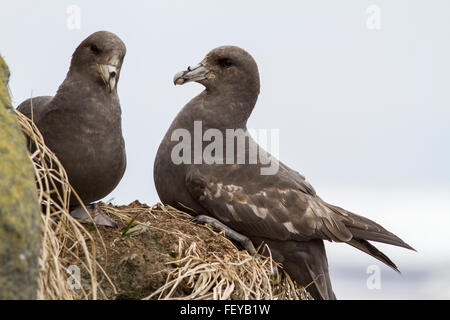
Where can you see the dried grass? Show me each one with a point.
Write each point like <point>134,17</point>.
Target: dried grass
<point>225,273</point>
<point>207,262</point>
<point>63,236</point>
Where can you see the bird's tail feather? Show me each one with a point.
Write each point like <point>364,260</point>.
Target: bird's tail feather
<point>368,248</point>
<point>383,236</point>
<point>363,228</point>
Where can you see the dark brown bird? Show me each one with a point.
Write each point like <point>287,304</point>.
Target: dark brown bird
<point>279,208</point>
<point>81,124</point>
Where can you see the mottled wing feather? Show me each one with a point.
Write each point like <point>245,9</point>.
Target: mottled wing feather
<point>300,181</point>
<point>266,211</point>
<point>279,210</point>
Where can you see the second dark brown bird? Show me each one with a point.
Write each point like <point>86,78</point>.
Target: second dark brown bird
<point>279,208</point>
<point>82,125</point>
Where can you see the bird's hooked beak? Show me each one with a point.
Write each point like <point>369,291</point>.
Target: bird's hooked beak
<point>110,73</point>
<point>195,73</point>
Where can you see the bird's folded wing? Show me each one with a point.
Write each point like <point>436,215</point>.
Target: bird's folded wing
<point>34,108</point>
<point>274,207</point>
<point>257,208</point>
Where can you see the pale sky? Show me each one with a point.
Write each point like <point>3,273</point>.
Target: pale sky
<point>363,113</point>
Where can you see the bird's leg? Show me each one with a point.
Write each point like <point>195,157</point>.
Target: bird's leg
<point>230,233</point>
<point>96,215</point>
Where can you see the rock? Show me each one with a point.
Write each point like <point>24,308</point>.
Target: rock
<point>20,227</point>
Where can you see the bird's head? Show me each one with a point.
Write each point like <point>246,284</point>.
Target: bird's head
<point>100,58</point>
<point>226,69</point>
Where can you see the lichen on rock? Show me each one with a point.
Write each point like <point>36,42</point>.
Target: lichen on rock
<point>20,232</point>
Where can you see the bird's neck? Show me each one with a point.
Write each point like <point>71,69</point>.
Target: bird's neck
<point>86,90</point>
<point>218,111</point>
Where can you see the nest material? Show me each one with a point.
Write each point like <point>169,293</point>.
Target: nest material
<point>196,261</point>
<point>178,258</point>
<point>63,236</point>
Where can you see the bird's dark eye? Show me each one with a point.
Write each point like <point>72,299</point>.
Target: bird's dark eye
<point>225,63</point>
<point>95,49</point>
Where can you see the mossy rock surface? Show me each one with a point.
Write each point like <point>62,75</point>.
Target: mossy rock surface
<point>20,232</point>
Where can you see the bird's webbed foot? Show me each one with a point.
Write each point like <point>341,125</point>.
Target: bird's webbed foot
<point>230,233</point>
<point>96,215</point>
